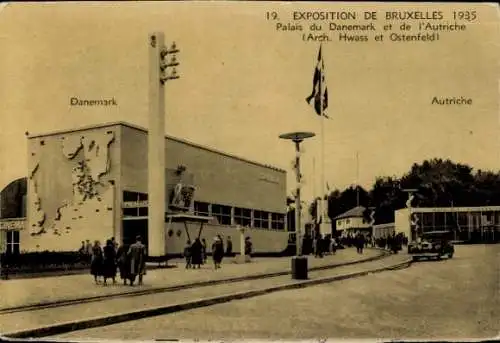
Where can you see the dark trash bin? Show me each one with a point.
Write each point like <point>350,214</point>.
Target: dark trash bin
<point>299,267</point>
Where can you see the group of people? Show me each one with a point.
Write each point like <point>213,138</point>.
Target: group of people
<point>85,252</point>
<point>195,253</point>
<point>393,242</point>
<point>105,261</point>
<point>321,245</point>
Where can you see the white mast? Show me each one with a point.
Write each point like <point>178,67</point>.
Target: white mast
<point>325,226</point>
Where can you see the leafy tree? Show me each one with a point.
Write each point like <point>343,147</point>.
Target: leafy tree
<point>487,188</point>
<point>386,196</point>
<point>313,207</point>
<point>441,183</point>
<point>438,183</point>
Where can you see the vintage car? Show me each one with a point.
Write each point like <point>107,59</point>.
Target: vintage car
<point>434,244</point>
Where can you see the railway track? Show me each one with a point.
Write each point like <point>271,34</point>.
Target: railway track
<point>44,322</point>
<point>172,288</point>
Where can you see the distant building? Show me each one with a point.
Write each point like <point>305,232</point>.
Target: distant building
<point>383,230</point>
<point>479,224</point>
<point>353,221</point>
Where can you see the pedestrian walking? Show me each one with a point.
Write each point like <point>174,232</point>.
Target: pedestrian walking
<point>187,254</point>
<point>217,251</point>
<point>82,253</point>
<point>88,251</point>
<point>197,253</point>
<point>204,250</point>
<point>229,247</point>
<point>137,261</point>
<point>96,262</point>
<point>333,248</point>
<point>248,247</point>
<point>114,243</point>
<point>123,263</point>
<point>360,242</point>
<point>109,264</point>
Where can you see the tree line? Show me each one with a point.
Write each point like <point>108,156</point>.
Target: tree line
<point>438,183</point>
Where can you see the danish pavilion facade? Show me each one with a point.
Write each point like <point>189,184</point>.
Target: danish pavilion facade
<point>91,184</point>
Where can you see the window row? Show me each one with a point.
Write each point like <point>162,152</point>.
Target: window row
<point>227,215</point>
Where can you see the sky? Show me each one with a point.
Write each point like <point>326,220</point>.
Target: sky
<point>243,83</point>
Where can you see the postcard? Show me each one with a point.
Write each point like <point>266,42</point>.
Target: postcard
<point>249,170</point>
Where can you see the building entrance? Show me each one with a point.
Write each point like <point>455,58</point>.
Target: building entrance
<point>133,227</point>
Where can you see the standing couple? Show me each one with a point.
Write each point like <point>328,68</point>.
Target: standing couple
<point>132,262</point>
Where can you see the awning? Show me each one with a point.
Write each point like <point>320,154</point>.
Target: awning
<point>185,218</point>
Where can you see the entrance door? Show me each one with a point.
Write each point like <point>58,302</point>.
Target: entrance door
<point>133,228</point>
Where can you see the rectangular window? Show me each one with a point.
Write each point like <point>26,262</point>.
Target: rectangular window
<point>257,219</point>
<point>222,213</point>
<point>130,212</point>
<point>129,196</point>
<point>12,242</point>
<point>277,221</point>
<point>135,204</point>
<point>426,220</point>
<point>143,212</point>
<point>265,220</point>
<point>242,216</point>
<point>261,219</point>
<point>201,208</point>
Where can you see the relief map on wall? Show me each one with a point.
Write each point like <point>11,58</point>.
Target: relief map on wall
<point>92,196</point>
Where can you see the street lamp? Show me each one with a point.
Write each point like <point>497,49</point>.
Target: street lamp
<point>162,64</point>
<point>299,262</point>
<point>168,64</point>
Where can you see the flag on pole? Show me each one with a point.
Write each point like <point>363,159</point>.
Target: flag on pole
<point>319,92</point>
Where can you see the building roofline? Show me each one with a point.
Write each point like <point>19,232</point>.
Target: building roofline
<point>452,209</point>
<point>350,213</point>
<point>140,128</point>
<point>384,225</point>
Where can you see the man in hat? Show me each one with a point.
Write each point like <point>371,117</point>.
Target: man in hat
<point>137,260</point>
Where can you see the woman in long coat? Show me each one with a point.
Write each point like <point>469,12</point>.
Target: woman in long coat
<point>137,258</point>
<point>217,251</point>
<point>109,265</point>
<point>123,263</point>
<point>97,261</point>
<point>197,253</point>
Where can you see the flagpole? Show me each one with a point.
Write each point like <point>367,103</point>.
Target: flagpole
<point>322,189</point>
<point>314,179</point>
<point>357,178</point>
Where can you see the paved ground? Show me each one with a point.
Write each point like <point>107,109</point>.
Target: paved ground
<point>29,320</point>
<point>20,292</point>
<point>456,298</point>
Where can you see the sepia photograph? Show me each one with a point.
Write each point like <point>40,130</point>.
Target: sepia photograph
<point>222,170</point>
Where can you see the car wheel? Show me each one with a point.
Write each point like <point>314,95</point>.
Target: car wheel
<point>414,259</point>
<point>450,255</point>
